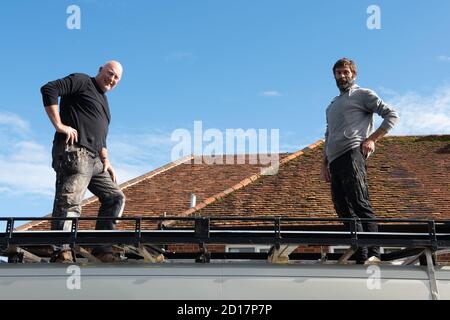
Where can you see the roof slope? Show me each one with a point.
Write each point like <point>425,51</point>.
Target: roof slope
<point>408,178</point>
<point>168,189</point>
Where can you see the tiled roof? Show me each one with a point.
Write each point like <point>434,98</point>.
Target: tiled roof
<point>168,189</point>
<point>408,178</point>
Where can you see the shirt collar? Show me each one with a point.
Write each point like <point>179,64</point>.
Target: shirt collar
<point>97,86</point>
<point>350,90</point>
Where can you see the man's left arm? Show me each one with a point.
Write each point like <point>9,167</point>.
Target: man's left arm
<point>107,165</point>
<point>390,118</point>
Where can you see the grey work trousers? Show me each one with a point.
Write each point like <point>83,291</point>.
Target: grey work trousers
<point>77,169</point>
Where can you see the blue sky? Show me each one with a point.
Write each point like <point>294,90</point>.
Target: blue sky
<point>260,64</point>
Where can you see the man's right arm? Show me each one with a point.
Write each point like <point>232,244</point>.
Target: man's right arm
<point>53,115</point>
<point>50,93</point>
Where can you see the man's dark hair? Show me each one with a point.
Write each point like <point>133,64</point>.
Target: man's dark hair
<point>345,62</point>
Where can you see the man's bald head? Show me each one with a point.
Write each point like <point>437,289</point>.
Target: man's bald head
<point>114,64</point>
<point>109,75</point>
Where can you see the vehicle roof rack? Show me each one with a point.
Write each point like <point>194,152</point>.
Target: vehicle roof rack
<point>284,235</point>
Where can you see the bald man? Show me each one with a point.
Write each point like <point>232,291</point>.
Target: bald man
<point>80,155</point>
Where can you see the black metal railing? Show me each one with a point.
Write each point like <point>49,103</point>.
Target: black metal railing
<point>434,234</point>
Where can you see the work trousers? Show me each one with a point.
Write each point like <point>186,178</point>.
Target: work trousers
<point>77,170</point>
<point>350,194</point>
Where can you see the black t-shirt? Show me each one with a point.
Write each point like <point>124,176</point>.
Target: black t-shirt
<point>83,106</point>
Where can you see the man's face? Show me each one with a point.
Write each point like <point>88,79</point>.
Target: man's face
<point>108,77</point>
<point>344,78</point>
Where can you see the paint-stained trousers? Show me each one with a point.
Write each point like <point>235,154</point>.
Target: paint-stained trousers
<point>350,195</point>
<point>77,169</point>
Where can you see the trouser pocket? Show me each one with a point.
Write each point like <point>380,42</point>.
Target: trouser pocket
<point>74,162</point>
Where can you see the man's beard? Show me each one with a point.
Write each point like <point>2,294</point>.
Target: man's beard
<point>344,85</point>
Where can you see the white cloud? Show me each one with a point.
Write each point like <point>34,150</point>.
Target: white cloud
<point>4,189</point>
<point>443,58</point>
<point>422,114</point>
<point>25,168</point>
<point>135,154</point>
<point>11,121</point>
<point>30,152</point>
<point>21,177</point>
<point>272,93</point>
<point>24,164</point>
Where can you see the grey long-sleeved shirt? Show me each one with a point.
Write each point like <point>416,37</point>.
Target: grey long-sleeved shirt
<point>350,120</point>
